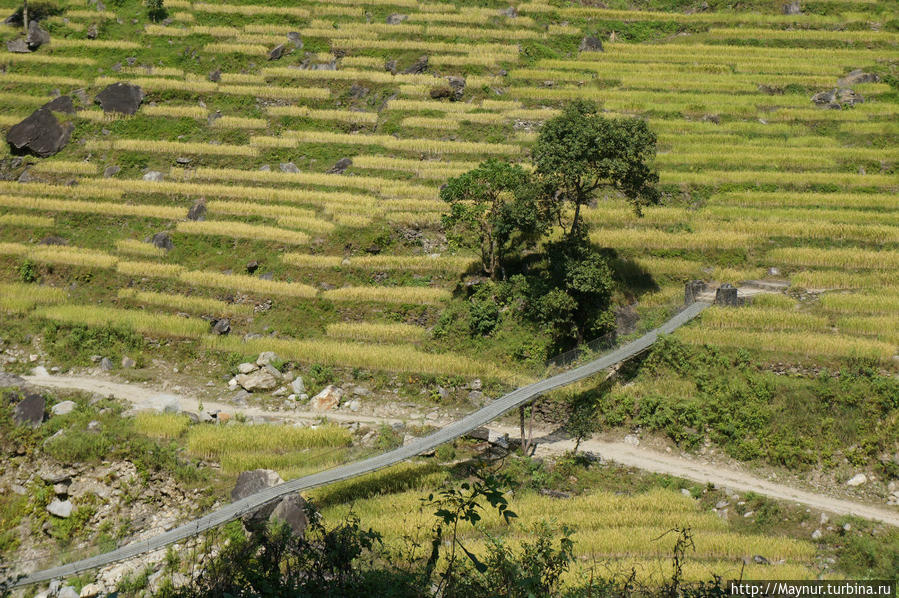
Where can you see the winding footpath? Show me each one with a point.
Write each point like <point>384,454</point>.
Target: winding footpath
<point>618,452</point>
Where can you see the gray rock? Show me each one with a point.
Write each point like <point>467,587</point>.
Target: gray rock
<point>510,12</point>
<point>291,510</point>
<point>792,8</point>
<point>418,67</point>
<point>55,476</point>
<point>277,52</point>
<point>120,97</point>
<point>92,31</point>
<point>396,19</point>
<point>111,171</point>
<point>289,167</point>
<point>63,408</point>
<point>153,175</point>
<point>726,295</point>
<point>11,380</point>
<point>760,560</point>
<point>215,76</point>
<point>246,368</point>
<point>262,379</point>
<point>197,212</point>
<point>590,43</point>
<point>857,480</point>
<point>857,76</point>
<point>837,98</point>
<point>18,46</point>
<point>91,590</point>
<point>341,165</point>
<point>62,104</point>
<point>165,403</point>
<point>183,160</point>
<point>214,116</point>
<point>128,363</point>
<point>355,405</point>
<point>40,134</point>
<point>30,410</point>
<point>116,68</point>
<point>94,426</point>
<point>297,385</point>
<point>37,36</point>
<point>67,592</point>
<point>266,358</point>
<point>60,508</point>
<point>440,93</point>
<point>221,326</point>
<point>294,38</point>
<point>105,364</point>
<point>817,534</point>
<point>361,391</point>
<point>721,504</point>
<point>457,85</point>
<point>481,434</point>
<point>685,492</point>
<point>250,482</point>
<point>162,240</point>
<point>327,400</point>
<point>40,371</point>
<point>632,440</point>
<point>390,66</point>
<point>252,266</point>
<point>265,168</point>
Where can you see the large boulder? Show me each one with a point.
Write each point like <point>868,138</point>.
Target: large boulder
<point>857,76</point>
<point>290,509</point>
<point>262,379</point>
<point>277,52</point>
<point>328,399</point>
<point>120,97</point>
<point>197,211</point>
<point>11,380</point>
<point>340,166</point>
<point>251,482</point>
<point>40,134</point>
<point>161,240</point>
<point>62,104</point>
<point>30,410</point>
<point>837,98</point>
<point>220,326</point>
<point>590,43</point>
<point>60,508</point>
<point>37,36</point>
<point>18,46</point>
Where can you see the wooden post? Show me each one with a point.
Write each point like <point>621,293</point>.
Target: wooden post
<point>25,15</point>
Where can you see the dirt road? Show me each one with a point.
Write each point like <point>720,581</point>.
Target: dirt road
<point>619,452</point>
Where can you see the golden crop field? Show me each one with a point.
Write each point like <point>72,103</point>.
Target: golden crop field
<point>754,175</point>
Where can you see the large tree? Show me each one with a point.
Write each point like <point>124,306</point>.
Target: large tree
<point>494,208</point>
<point>580,151</point>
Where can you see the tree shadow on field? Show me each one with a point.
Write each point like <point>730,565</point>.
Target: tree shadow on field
<point>633,279</point>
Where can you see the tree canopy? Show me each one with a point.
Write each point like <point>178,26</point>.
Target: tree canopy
<point>494,208</point>
<point>581,151</point>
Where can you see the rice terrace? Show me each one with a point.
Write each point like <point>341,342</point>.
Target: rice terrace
<point>414,298</point>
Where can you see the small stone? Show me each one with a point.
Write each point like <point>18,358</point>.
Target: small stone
<point>748,514</point>
<point>246,368</point>
<point>127,362</point>
<point>396,19</point>
<point>277,52</point>
<point>60,508</point>
<point>40,371</point>
<point>154,176</point>
<point>632,440</point>
<point>590,43</point>
<point>262,379</point>
<point>221,326</point>
<point>63,408</point>
<point>355,405</point>
<point>340,166</point>
<point>111,171</point>
<point>94,426</point>
<point>846,527</point>
<point>215,76</point>
<point>289,167</point>
<point>266,358</point>
<point>721,504</point>
<point>328,399</point>
<point>817,534</point>
<point>106,364</point>
<point>857,480</point>
<point>686,492</point>
<point>294,38</point>
<point>297,385</point>
<point>183,160</point>
<point>161,240</point>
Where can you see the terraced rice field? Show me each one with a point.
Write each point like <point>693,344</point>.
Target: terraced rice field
<point>612,533</point>
<point>755,175</point>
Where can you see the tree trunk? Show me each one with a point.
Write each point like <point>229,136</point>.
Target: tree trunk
<point>25,15</point>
